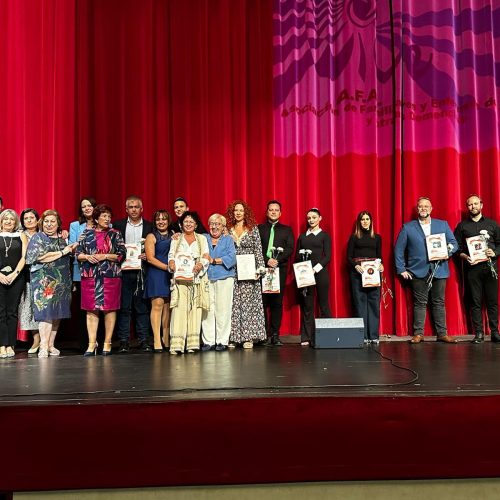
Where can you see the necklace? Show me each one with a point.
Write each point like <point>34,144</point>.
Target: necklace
<point>7,247</point>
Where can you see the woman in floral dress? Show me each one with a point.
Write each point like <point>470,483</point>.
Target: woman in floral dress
<point>247,320</point>
<point>100,252</point>
<point>48,255</point>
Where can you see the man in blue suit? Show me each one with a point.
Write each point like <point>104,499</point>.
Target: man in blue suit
<point>418,269</point>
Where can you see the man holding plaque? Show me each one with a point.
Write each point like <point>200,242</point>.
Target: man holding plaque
<point>479,240</point>
<point>427,277</point>
<point>134,230</point>
<point>277,246</point>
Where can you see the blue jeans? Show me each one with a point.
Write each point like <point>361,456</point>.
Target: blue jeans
<point>132,299</point>
<point>421,295</point>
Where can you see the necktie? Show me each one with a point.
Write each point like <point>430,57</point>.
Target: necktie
<point>270,245</point>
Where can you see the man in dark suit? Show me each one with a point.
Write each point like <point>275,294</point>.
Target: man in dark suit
<point>181,206</point>
<point>274,234</point>
<point>133,229</point>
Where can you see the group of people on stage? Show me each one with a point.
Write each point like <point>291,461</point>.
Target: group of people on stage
<point>187,286</point>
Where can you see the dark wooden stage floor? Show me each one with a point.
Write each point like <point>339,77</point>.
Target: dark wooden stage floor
<point>251,416</point>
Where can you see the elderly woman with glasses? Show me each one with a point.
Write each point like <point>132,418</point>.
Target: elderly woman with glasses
<point>216,321</point>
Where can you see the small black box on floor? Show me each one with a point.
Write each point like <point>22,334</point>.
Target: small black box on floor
<point>340,333</point>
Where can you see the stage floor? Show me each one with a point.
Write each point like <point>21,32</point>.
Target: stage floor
<point>394,368</point>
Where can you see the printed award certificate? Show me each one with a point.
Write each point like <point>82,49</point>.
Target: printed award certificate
<point>132,261</point>
<point>477,248</point>
<point>245,266</point>
<point>271,280</point>
<point>184,264</point>
<point>304,274</point>
<point>436,247</point>
<point>371,273</point>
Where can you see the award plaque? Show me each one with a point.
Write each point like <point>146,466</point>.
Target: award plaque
<point>304,274</point>
<point>477,247</point>
<point>184,264</point>
<point>371,273</point>
<point>271,280</point>
<point>436,247</point>
<point>245,267</point>
<point>132,260</point>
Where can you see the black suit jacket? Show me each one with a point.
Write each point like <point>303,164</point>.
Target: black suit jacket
<point>121,225</point>
<point>283,237</point>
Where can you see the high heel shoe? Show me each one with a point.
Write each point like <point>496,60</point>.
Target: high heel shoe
<point>33,349</point>
<point>90,351</point>
<point>106,352</point>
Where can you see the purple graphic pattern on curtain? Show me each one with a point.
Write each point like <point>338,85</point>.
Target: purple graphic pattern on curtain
<point>337,91</point>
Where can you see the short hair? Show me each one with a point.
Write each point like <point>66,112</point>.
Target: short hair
<point>273,202</point>
<point>314,209</point>
<point>28,211</point>
<point>13,213</point>
<point>101,209</point>
<point>217,216</point>
<point>424,198</point>
<point>133,198</point>
<point>473,195</point>
<point>180,198</point>
<point>193,215</point>
<point>45,214</point>
<point>92,201</point>
<point>159,212</point>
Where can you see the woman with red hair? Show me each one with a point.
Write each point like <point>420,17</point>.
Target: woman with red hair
<point>247,320</point>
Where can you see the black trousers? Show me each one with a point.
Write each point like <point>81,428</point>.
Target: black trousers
<point>481,285</point>
<point>10,295</point>
<point>322,288</point>
<point>274,302</point>
<point>366,303</point>
<point>421,296</point>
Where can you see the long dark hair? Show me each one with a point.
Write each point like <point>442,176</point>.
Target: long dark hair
<point>359,230</point>
<point>29,211</point>
<point>92,201</point>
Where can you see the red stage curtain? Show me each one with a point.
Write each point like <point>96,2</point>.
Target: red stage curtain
<point>175,98</point>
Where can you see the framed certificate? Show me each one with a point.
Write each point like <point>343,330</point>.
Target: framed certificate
<point>436,247</point>
<point>271,280</point>
<point>304,274</point>
<point>245,267</point>
<point>132,260</point>
<point>184,264</point>
<point>371,273</point>
<point>477,248</point>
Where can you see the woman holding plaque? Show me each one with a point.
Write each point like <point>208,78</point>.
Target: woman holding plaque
<point>247,320</point>
<point>188,261</point>
<point>365,246</point>
<point>48,255</point>
<point>316,246</point>
<point>100,252</point>
<point>157,285</point>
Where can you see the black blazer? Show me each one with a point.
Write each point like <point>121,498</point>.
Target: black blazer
<point>283,237</point>
<point>121,225</point>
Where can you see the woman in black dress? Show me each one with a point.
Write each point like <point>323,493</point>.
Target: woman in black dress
<point>320,246</point>
<point>364,244</point>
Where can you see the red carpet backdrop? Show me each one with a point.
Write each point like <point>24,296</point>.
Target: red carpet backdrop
<point>344,105</point>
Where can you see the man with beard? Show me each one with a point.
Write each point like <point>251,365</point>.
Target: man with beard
<point>481,276</point>
<point>418,269</point>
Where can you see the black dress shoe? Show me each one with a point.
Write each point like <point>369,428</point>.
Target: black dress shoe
<point>495,337</point>
<point>145,347</point>
<point>123,348</point>
<point>276,341</point>
<point>478,339</point>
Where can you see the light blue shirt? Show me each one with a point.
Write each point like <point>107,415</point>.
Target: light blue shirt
<point>225,251</point>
